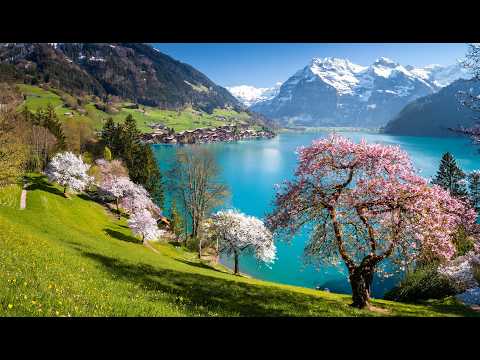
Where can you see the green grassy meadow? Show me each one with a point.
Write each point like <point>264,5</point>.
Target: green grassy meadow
<point>71,257</point>
<point>186,119</point>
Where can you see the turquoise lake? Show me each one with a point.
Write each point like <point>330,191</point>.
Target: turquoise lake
<point>251,168</point>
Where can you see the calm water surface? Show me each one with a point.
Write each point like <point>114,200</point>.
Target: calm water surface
<point>251,168</point>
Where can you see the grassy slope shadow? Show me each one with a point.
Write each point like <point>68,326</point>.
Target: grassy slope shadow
<point>120,236</point>
<point>216,294</point>
<point>199,265</point>
<point>41,183</point>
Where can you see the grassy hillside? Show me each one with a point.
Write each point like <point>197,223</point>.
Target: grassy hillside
<point>70,257</point>
<point>186,119</point>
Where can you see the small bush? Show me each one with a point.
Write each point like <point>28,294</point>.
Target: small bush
<point>87,158</point>
<point>422,284</point>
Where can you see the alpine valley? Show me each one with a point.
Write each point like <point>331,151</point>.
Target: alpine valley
<point>336,92</point>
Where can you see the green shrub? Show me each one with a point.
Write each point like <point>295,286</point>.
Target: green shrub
<point>87,158</point>
<point>107,154</point>
<point>422,284</point>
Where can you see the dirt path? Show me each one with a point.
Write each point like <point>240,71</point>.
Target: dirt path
<point>148,245</point>
<point>23,197</point>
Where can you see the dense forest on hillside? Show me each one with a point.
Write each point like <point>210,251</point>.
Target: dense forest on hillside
<point>131,71</point>
<point>436,114</point>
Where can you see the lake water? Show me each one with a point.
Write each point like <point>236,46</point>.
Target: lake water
<point>251,168</point>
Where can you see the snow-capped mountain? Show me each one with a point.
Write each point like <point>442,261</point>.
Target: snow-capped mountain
<point>337,92</point>
<point>250,95</point>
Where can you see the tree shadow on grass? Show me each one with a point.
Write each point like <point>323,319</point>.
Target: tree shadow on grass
<point>41,183</point>
<point>204,294</point>
<point>120,236</point>
<point>448,306</point>
<point>200,265</point>
<point>88,197</point>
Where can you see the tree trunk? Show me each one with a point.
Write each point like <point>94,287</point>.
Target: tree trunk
<point>361,281</point>
<point>200,249</point>
<point>236,269</point>
<point>118,211</point>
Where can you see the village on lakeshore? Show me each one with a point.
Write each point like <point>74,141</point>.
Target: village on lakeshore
<point>164,135</point>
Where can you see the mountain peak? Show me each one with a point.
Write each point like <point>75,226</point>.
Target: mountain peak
<point>384,61</point>
<point>250,95</point>
<point>334,91</point>
<point>331,63</point>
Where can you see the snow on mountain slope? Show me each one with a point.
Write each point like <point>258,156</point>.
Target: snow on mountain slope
<point>442,76</point>
<point>339,73</point>
<point>334,91</point>
<point>250,95</point>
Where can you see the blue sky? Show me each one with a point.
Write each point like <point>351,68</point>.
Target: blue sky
<point>262,65</point>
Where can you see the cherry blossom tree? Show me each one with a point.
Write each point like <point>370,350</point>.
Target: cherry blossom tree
<point>69,171</point>
<point>365,205</point>
<point>110,168</point>
<point>143,224</point>
<point>236,232</point>
<point>116,187</point>
<point>461,271</point>
<point>113,181</point>
<point>136,198</point>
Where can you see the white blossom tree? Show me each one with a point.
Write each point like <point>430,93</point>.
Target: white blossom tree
<point>461,270</point>
<point>116,187</point>
<point>236,232</point>
<point>69,171</point>
<point>143,224</point>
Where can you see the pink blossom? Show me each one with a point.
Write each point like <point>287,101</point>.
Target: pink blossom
<point>367,204</point>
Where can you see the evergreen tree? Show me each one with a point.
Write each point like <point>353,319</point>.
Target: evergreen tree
<point>176,220</point>
<point>450,176</point>
<point>131,151</point>
<point>111,135</point>
<point>143,170</point>
<point>52,123</point>
<point>124,141</point>
<point>474,189</point>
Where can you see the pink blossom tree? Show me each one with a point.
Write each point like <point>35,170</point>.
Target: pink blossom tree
<point>113,181</point>
<point>116,187</point>
<point>136,198</point>
<point>366,205</point>
<point>236,232</point>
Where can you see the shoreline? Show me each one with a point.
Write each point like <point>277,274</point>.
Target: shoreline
<point>315,129</point>
<point>225,133</point>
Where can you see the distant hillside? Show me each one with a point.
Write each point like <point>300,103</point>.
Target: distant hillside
<point>434,114</point>
<point>132,71</point>
<point>87,109</point>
